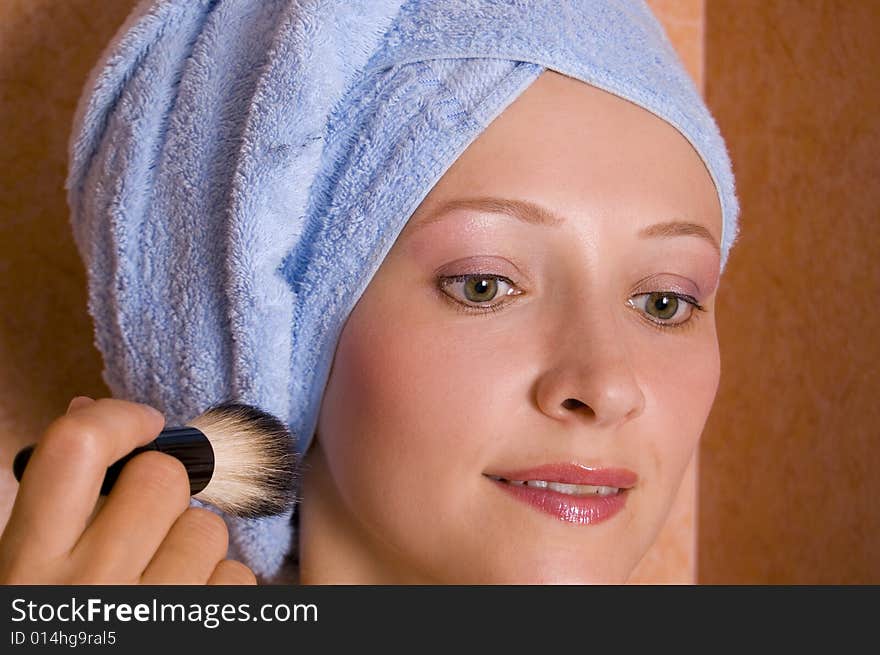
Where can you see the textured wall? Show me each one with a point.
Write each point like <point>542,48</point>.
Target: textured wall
<point>788,483</point>
<point>46,352</point>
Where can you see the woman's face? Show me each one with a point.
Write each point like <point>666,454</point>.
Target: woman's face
<point>487,346</point>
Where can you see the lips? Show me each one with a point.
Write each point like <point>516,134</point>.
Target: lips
<point>569,492</point>
<point>572,474</point>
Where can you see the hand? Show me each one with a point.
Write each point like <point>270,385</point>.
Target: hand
<point>144,532</point>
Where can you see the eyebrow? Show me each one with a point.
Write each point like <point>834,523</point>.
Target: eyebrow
<point>533,214</point>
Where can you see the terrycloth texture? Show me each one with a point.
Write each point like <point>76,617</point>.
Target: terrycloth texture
<point>239,170</point>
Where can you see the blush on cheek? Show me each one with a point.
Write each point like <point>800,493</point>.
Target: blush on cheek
<point>682,383</point>
<point>406,393</point>
<point>387,427</point>
<point>360,379</point>
<point>380,391</point>
<point>693,391</point>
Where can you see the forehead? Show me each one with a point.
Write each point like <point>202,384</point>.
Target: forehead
<point>581,151</point>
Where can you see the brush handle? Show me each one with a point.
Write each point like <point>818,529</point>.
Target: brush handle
<point>186,443</point>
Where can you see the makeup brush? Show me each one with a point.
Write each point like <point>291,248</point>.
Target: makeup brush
<point>239,458</point>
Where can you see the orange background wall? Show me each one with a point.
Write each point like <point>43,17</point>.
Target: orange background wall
<point>785,486</point>
<point>790,462</point>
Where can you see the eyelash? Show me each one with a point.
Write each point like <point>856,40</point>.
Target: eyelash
<point>486,310</point>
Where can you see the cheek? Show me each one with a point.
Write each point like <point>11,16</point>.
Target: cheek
<point>680,384</point>
<point>395,421</point>
<point>684,381</point>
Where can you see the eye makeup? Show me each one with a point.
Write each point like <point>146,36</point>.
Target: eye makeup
<point>445,282</point>
<point>680,300</point>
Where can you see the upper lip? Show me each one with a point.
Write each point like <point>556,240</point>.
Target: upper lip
<point>568,473</point>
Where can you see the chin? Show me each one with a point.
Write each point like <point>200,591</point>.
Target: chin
<point>561,571</point>
<point>557,577</point>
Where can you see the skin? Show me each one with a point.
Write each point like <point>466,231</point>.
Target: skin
<point>423,400</point>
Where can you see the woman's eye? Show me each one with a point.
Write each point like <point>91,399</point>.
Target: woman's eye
<point>478,288</point>
<point>666,308</point>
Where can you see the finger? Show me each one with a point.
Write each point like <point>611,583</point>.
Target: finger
<point>63,477</point>
<point>230,571</point>
<point>152,491</point>
<point>189,555</point>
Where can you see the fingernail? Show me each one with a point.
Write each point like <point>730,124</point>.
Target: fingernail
<point>78,401</point>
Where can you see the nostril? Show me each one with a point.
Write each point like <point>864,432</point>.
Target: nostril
<point>577,405</point>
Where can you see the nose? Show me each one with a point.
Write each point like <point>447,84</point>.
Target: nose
<point>591,378</point>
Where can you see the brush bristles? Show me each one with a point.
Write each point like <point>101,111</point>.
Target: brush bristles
<point>255,466</point>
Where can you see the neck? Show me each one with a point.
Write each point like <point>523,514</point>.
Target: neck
<point>334,546</point>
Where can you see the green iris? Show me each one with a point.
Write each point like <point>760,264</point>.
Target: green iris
<point>480,286</point>
<point>663,304</point>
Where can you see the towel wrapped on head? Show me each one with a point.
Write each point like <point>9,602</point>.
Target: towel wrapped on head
<point>238,170</point>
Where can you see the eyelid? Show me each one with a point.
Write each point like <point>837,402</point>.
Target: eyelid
<point>489,266</point>
<point>685,324</point>
<point>445,281</point>
<point>672,292</point>
<point>662,283</point>
<point>494,305</point>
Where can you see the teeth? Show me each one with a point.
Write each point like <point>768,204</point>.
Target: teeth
<point>571,489</point>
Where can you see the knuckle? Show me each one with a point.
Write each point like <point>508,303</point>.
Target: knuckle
<point>208,529</point>
<point>73,436</point>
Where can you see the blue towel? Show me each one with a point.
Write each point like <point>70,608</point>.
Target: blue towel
<point>239,169</point>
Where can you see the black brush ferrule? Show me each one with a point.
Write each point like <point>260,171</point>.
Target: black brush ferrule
<point>186,443</point>
<point>193,449</point>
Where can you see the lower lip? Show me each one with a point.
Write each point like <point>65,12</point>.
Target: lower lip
<point>580,510</point>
